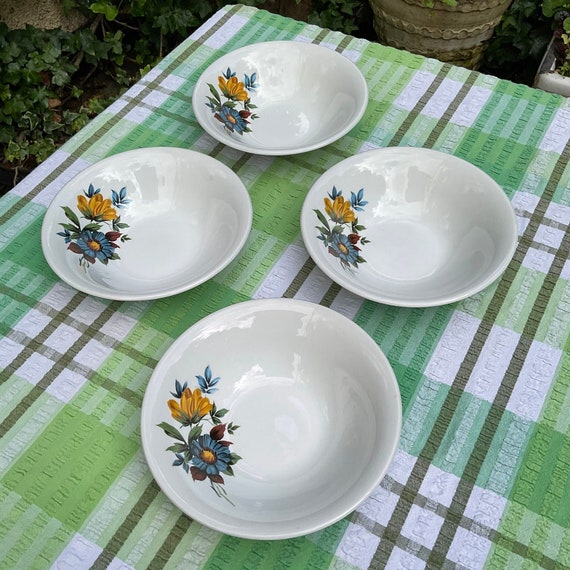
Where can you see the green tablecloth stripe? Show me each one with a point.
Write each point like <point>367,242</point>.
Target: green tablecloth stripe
<point>112,548</point>
<point>486,435</point>
<point>450,407</point>
<point>43,479</point>
<point>475,439</point>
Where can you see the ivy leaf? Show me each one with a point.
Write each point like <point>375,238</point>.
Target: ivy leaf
<point>106,8</point>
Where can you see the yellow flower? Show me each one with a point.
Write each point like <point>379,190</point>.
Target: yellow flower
<point>96,208</point>
<point>192,408</point>
<point>339,210</point>
<point>232,88</point>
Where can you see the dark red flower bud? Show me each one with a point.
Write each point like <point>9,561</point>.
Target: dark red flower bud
<point>197,474</point>
<point>217,432</point>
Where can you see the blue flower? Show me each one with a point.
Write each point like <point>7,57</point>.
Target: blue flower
<point>66,235</point>
<point>120,199</point>
<point>91,191</point>
<point>93,245</point>
<point>206,382</point>
<point>334,193</point>
<point>344,248</point>
<point>179,388</point>
<point>180,461</point>
<point>357,200</point>
<point>233,120</point>
<point>229,73</point>
<point>210,458</point>
<point>250,82</point>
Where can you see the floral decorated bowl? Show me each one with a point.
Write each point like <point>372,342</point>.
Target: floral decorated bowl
<point>146,223</point>
<point>409,227</point>
<point>280,98</point>
<point>255,425</point>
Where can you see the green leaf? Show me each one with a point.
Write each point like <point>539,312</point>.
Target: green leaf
<point>94,226</point>
<point>234,458</point>
<point>171,431</point>
<point>178,448</point>
<point>214,92</point>
<point>69,227</point>
<point>70,215</point>
<point>322,219</point>
<point>106,8</point>
<point>194,433</point>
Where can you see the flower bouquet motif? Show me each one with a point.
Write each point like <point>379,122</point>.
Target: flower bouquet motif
<point>342,235</point>
<point>233,94</point>
<point>89,241</point>
<point>206,456</point>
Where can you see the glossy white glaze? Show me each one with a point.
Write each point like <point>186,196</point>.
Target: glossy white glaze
<point>318,408</point>
<point>188,216</point>
<point>307,96</point>
<point>439,228</point>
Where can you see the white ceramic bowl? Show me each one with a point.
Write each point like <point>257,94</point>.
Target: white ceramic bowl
<point>318,410</point>
<point>146,223</point>
<point>280,98</point>
<point>409,227</point>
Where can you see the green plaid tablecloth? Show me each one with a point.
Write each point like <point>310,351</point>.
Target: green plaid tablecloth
<point>481,478</point>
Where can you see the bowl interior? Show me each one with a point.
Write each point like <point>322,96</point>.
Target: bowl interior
<point>317,431</point>
<point>181,217</point>
<point>414,227</point>
<point>302,96</point>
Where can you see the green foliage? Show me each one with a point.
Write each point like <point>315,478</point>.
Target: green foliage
<point>339,15</point>
<point>36,68</point>
<point>520,39</point>
<point>43,74</point>
<point>559,11</point>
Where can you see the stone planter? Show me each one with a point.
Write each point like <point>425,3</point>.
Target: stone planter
<point>548,79</point>
<point>454,34</point>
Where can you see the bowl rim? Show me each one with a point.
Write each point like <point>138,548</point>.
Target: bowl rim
<point>49,225</point>
<point>307,233</point>
<point>205,122</point>
<point>297,528</point>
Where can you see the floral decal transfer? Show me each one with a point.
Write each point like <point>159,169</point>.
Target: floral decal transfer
<point>203,455</point>
<point>88,240</point>
<point>342,235</point>
<point>232,94</point>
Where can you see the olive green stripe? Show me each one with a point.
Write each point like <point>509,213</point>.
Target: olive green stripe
<point>113,120</point>
<point>321,36</point>
<point>32,347</point>
<point>344,43</point>
<point>446,117</point>
<point>174,538</point>
<point>455,392</point>
<point>128,525</point>
<point>330,295</point>
<point>497,410</point>
<point>299,279</point>
<point>424,99</point>
<point>36,346</point>
<point>467,523</point>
